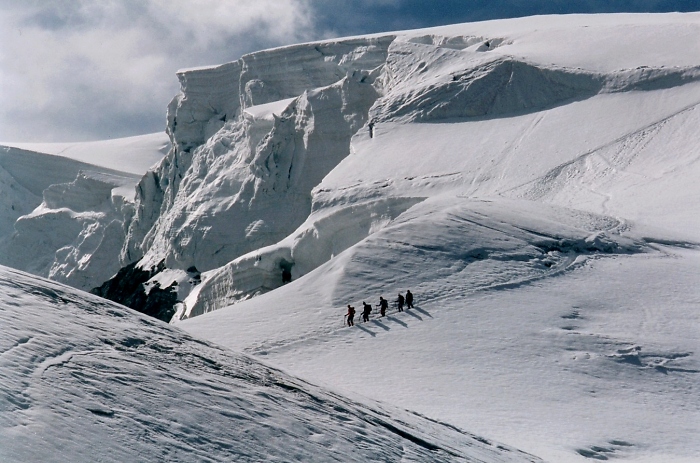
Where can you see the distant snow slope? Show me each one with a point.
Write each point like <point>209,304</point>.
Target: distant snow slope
<point>83,380</point>
<point>134,155</point>
<point>63,211</point>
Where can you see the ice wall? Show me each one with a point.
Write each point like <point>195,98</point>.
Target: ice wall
<point>74,235</point>
<point>208,98</point>
<point>324,235</point>
<point>59,217</point>
<point>242,194</point>
<point>217,194</point>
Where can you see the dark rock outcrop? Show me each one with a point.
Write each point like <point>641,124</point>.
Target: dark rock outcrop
<point>128,288</point>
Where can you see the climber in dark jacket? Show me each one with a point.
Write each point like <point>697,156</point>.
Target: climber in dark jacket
<point>383,305</point>
<point>399,302</point>
<point>350,315</point>
<point>366,310</point>
<point>409,300</point>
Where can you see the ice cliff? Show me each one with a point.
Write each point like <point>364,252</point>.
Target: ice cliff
<point>240,194</point>
<point>285,158</point>
<point>60,218</point>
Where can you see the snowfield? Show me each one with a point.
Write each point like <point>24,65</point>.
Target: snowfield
<point>87,380</point>
<point>532,181</point>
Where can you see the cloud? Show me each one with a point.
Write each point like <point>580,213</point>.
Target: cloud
<point>78,70</point>
<point>84,69</point>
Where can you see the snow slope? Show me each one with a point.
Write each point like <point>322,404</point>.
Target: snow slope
<point>84,379</point>
<point>533,181</point>
<point>535,187</point>
<point>133,155</point>
<point>64,205</point>
<point>393,118</point>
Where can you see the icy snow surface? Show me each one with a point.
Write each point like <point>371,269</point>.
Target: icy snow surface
<point>84,380</point>
<point>533,181</point>
<point>63,210</point>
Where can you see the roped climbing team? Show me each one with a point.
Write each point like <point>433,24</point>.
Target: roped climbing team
<point>383,306</point>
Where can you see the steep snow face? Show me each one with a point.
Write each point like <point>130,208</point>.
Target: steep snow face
<point>428,83</point>
<point>209,205</point>
<point>84,379</point>
<point>324,235</point>
<point>211,96</point>
<point>74,235</point>
<point>286,72</point>
<point>208,98</point>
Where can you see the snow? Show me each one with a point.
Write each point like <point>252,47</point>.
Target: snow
<point>594,353</point>
<point>133,155</point>
<point>551,242</point>
<point>64,205</point>
<point>532,181</point>
<point>84,379</point>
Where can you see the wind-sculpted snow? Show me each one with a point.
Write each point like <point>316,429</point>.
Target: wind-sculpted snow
<point>318,240</point>
<point>246,165</point>
<point>287,72</point>
<point>71,237</point>
<point>211,96</point>
<point>75,234</point>
<point>427,83</point>
<point>442,246</point>
<point>457,238</point>
<point>223,200</point>
<point>83,379</point>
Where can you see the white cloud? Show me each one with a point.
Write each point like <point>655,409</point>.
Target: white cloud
<point>84,69</point>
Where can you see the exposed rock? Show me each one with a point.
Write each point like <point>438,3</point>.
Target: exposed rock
<point>127,288</point>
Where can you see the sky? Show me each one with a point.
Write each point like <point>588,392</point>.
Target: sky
<point>79,70</point>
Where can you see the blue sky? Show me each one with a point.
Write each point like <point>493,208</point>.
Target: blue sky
<point>84,70</point>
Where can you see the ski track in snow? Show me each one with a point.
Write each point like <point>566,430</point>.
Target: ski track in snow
<point>542,347</point>
<point>546,181</point>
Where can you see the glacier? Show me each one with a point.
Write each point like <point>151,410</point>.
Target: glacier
<point>533,181</point>
<point>85,379</point>
<point>305,134</point>
<point>291,126</point>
